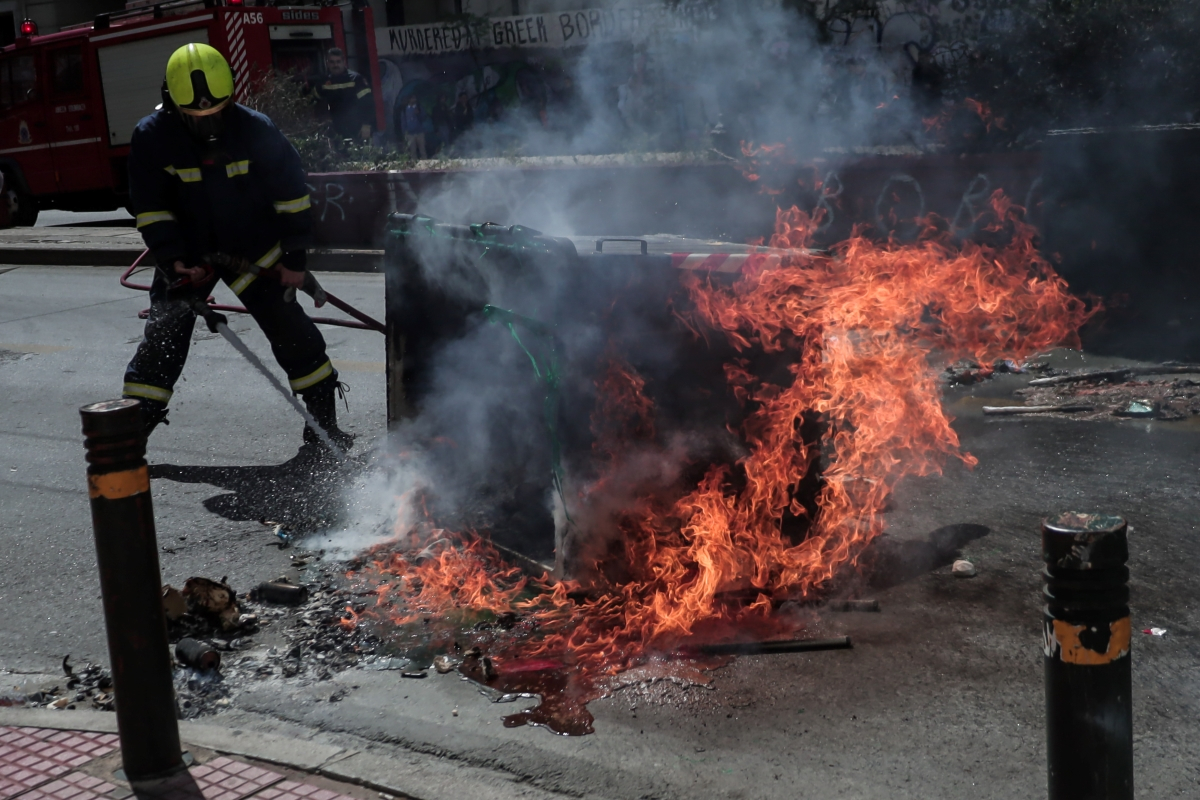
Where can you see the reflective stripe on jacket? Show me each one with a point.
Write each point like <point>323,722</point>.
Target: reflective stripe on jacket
<point>247,197</point>
<point>351,104</point>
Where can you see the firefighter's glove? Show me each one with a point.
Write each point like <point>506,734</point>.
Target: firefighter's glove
<point>187,283</point>
<point>314,290</point>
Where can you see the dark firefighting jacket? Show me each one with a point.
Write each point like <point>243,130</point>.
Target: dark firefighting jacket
<point>244,196</point>
<point>350,102</point>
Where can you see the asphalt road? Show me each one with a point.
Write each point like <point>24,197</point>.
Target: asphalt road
<point>941,696</point>
<point>52,217</point>
<point>66,334</point>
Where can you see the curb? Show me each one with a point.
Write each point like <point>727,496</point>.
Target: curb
<point>334,260</point>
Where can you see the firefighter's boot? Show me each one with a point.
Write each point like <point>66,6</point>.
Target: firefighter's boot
<point>321,402</point>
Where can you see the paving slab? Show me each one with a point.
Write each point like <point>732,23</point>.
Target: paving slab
<point>56,764</point>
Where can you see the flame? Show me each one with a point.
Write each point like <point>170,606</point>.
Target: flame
<point>938,121</point>
<point>429,571</point>
<point>862,329</point>
<point>984,112</point>
<point>623,411</point>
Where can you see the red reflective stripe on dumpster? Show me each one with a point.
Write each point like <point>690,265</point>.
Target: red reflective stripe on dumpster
<point>709,262</point>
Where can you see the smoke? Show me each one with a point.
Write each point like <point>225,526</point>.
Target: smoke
<point>714,75</point>
<point>493,444</point>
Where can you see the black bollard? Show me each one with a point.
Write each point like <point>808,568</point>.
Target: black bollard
<point>1089,708</point>
<point>131,587</point>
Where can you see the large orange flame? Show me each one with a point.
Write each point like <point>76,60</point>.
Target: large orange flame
<point>862,329</point>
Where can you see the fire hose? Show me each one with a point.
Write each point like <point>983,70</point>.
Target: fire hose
<point>218,323</point>
<point>361,321</point>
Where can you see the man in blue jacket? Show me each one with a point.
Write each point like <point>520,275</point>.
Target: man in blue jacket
<point>208,176</point>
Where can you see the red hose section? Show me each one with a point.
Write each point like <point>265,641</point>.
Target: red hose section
<point>137,262</point>
<point>365,322</point>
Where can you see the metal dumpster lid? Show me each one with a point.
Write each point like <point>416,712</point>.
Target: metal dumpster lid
<point>661,244</point>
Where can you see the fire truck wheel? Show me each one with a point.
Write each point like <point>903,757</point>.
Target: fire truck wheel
<point>25,210</point>
<point>22,208</point>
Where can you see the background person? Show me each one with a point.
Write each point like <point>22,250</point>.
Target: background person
<point>410,121</point>
<point>351,105</point>
<point>463,115</point>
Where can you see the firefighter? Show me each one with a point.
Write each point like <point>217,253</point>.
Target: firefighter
<point>349,97</point>
<point>208,176</point>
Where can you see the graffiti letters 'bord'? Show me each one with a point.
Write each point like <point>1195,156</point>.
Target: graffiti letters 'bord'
<point>560,29</point>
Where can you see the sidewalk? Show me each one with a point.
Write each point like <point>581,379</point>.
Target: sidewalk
<point>102,246</point>
<point>72,755</point>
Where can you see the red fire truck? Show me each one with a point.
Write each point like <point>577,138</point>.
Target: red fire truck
<point>69,101</point>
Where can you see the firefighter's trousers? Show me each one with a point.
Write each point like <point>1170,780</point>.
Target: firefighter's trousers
<point>298,346</point>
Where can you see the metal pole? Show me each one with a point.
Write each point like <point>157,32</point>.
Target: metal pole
<point>131,587</point>
<point>1089,707</point>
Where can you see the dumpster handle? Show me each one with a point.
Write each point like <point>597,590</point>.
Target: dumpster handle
<point>642,242</point>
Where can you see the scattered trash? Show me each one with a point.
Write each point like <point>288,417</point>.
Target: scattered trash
<point>87,684</point>
<point>385,663</point>
<point>680,673</point>
<point>174,604</point>
<point>285,538</point>
<point>197,654</point>
<point>1155,631</point>
<point>200,692</point>
<point>1117,375</point>
<point>213,599</point>
<point>965,373</point>
<point>1137,409</point>
<point>1127,392</point>
<point>1009,411</point>
<point>454,713</point>
<point>421,674</point>
<point>444,664</point>
<point>963,569</point>
<point>281,591</point>
<point>489,668</point>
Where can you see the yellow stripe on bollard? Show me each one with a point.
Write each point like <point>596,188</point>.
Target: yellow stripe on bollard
<point>119,485</point>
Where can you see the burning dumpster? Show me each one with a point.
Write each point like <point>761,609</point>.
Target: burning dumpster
<point>702,437</point>
<point>572,342</point>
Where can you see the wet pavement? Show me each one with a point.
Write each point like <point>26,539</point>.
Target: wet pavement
<point>941,695</point>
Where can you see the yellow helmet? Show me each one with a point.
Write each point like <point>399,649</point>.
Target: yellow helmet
<point>199,80</point>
